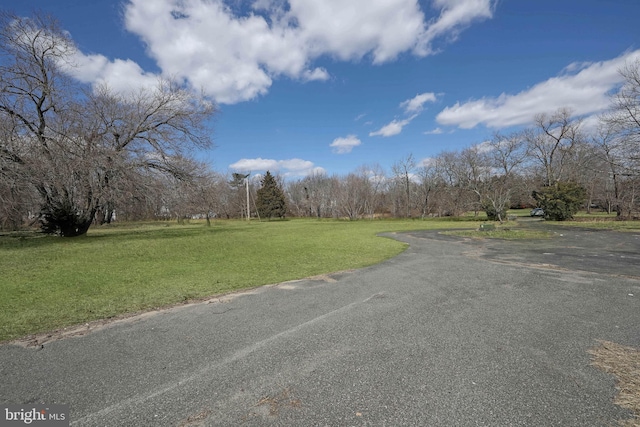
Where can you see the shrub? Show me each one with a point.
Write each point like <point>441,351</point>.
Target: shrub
<point>560,201</point>
<point>493,214</point>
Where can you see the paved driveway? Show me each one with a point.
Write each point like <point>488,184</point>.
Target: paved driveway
<point>582,249</point>
<point>449,333</point>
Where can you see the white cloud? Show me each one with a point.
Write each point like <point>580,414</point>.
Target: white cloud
<point>212,49</point>
<point>427,162</point>
<point>121,76</point>
<point>345,145</point>
<point>352,29</point>
<point>317,74</point>
<point>393,128</point>
<point>455,16</point>
<point>415,104</point>
<point>583,88</point>
<point>591,124</point>
<point>290,167</point>
<point>436,131</point>
<point>235,58</point>
<point>483,147</point>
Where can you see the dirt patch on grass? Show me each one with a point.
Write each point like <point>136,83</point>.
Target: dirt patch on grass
<point>624,363</point>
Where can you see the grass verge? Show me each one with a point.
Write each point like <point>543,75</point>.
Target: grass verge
<point>624,363</point>
<point>49,283</point>
<point>596,220</point>
<point>628,226</point>
<point>501,233</point>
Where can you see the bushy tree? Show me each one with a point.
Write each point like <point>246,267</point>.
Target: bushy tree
<point>560,201</point>
<point>495,212</point>
<point>270,200</point>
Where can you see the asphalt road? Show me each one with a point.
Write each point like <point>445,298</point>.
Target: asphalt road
<point>450,333</point>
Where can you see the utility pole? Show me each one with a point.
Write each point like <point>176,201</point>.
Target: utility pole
<point>236,183</point>
<point>246,180</point>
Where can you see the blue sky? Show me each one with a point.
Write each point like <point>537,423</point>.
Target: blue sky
<point>309,85</point>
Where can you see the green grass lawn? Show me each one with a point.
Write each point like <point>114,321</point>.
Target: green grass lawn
<point>50,282</point>
<point>501,233</point>
<point>594,219</point>
<point>630,226</point>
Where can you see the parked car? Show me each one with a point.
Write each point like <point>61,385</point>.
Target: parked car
<point>537,212</point>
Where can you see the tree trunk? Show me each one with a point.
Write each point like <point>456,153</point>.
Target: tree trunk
<point>78,229</point>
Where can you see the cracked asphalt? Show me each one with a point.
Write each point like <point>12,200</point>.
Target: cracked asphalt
<point>452,332</point>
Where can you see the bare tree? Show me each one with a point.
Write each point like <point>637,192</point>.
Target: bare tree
<point>315,195</point>
<point>403,172</point>
<point>297,198</point>
<point>76,147</point>
<point>355,191</point>
<point>619,141</point>
<point>373,181</point>
<point>427,186</point>
<point>453,194</point>
<point>552,143</point>
<point>505,154</point>
<point>474,172</point>
<point>623,119</point>
<point>17,198</point>
<point>616,178</point>
<point>508,152</point>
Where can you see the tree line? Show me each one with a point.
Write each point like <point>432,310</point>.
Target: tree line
<point>73,156</point>
<point>560,163</point>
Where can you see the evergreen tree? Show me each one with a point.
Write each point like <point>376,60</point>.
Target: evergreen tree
<point>560,201</point>
<point>270,200</point>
